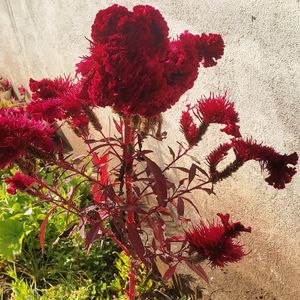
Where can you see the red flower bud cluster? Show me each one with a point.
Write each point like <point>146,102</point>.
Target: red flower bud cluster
<point>215,243</point>
<point>19,133</point>
<point>20,182</point>
<point>133,65</point>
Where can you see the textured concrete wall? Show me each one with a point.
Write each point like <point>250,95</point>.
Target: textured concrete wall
<point>261,73</point>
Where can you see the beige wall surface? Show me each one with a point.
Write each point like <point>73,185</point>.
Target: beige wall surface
<point>260,71</point>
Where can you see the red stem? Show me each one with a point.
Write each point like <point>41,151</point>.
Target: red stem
<point>128,163</point>
<point>128,160</point>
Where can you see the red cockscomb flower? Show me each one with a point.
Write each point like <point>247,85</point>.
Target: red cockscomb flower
<point>49,110</point>
<point>212,48</point>
<point>275,163</point>
<point>47,88</point>
<point>215,243</point>
<point>58,99</point>
<point>20,182</point>
<point>133,65</point>
<point>219,110</point>
<point>19,133</point>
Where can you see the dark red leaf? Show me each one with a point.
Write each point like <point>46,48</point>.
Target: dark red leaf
<point>169,273</point>
<point>160,185</point>
<point>192,172</point>
<point>180,207</point>
<point>208,191</point>
<point>176,238</point>
<point>182,169</point>
<point>203,171</point>
<point>163,210</point>
<point>90,141</point>
<point>157,226</point>
<point>198,270</point>
<point>172,152</point>
<point>91,236</point>
<point>136,242</point>
<point>118,126</point>
<point>189,201</point>
<point>130,207</point>
<point>43,227</point>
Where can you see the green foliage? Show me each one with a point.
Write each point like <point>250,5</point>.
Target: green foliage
<point>65,271</point>
<point>11,236</point>
<point>145,284</point>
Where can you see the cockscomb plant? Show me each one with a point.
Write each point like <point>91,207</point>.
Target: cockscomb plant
<point>137,70</point>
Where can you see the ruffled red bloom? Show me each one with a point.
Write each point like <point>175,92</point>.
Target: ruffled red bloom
<point>49,110</point>
<point>212,49</point>
<point>133,65</point>
<point>189,128</point>
<point>58,99</point>
<point>219,110</point>
<point>19,133</point>
<point>20,182</point>
<point>215,243</point>
<point>275,163</point>
<point>47,88</point>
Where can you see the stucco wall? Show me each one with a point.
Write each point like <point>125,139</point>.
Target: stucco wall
<point>261,73</point>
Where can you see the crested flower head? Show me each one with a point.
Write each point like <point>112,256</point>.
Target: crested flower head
<point>49,110</point>
<point>19,133</point>
<point>215,242</point>
<point>58,99</point>
<point>279,166</point>
<point>47,88</point>
<point>212,48</point>
<point>219,110</point>
<point>20,182</point>
<point>135,68</point>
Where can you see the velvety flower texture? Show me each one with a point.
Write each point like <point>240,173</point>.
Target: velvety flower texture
<point>133,65</point>
<point>276,164</point>
<point>217,109</point>
<point>215,243</point>
<point>19,133</point>
<point>20,182</point>
<point>57,99</point>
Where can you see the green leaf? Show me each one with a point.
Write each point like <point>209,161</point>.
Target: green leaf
<point>11,236</point>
